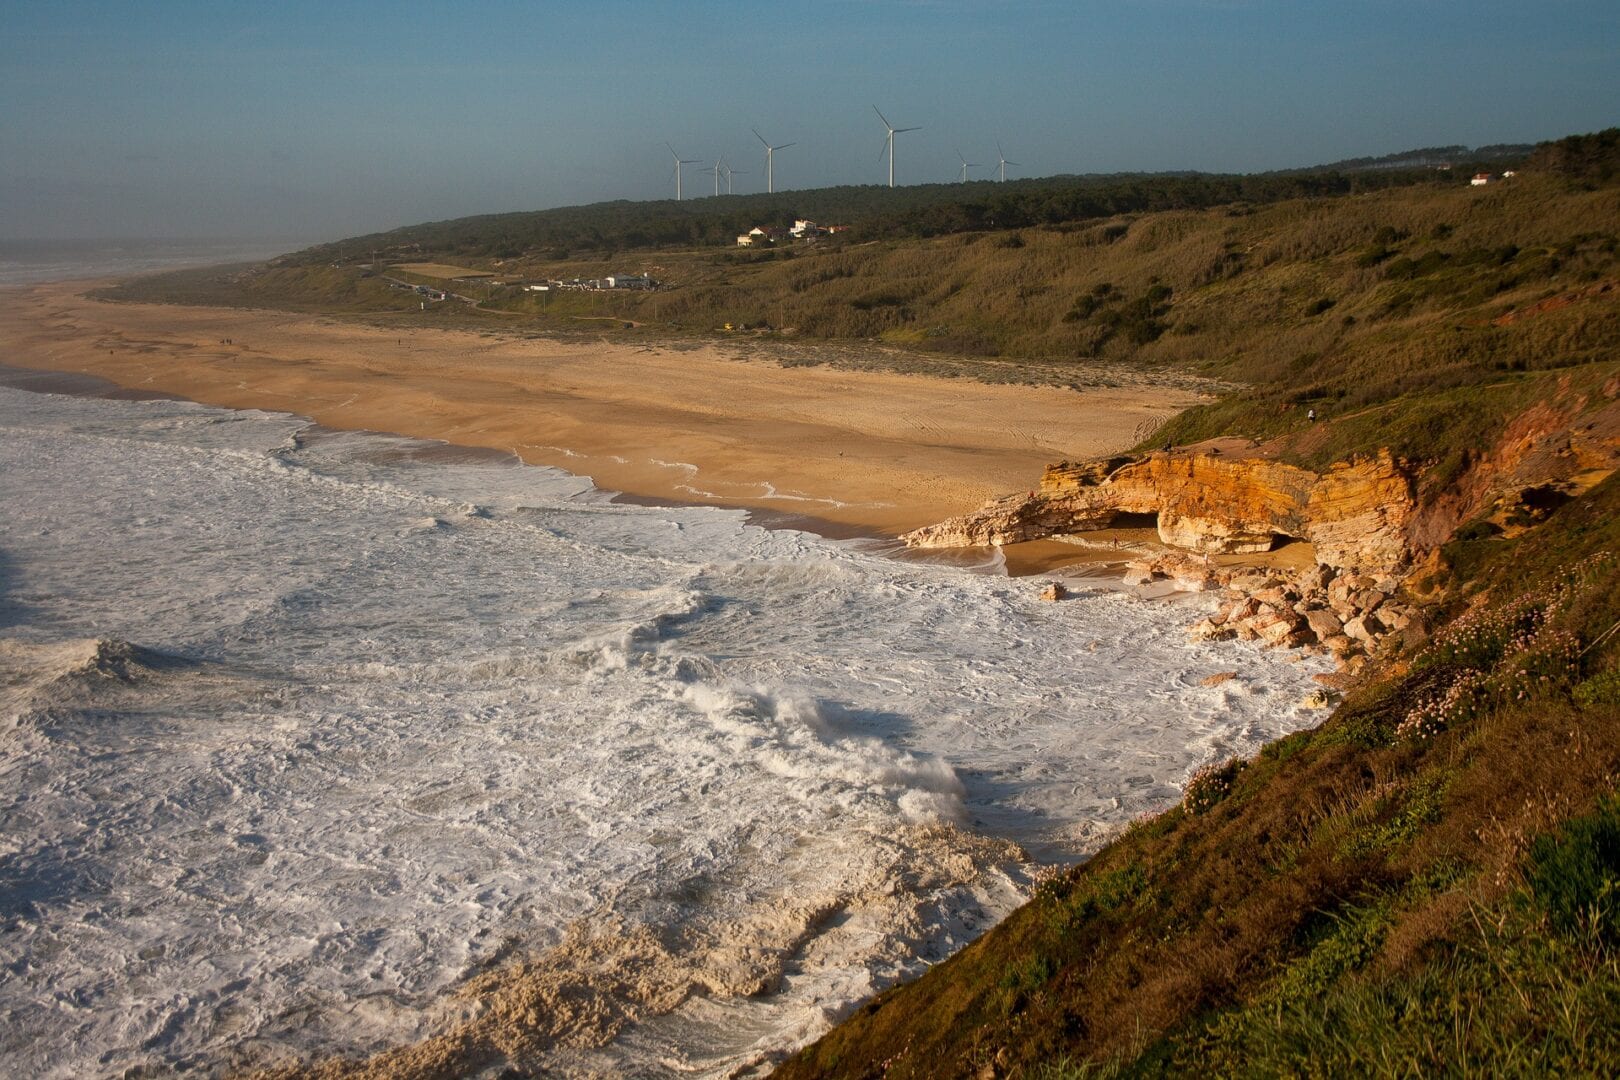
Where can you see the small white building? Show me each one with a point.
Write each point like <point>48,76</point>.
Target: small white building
<point>629,281</point>
<point>745,240</point>
<point>1480,179</point>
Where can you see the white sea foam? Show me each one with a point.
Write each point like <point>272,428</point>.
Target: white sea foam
<point>303,728</point>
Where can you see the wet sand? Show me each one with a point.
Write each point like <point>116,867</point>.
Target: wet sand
<point>850,453</point>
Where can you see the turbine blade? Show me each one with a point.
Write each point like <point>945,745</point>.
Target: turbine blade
<point>899,130</point>
<point>785,145</point>
<point>758,136</point>
<point>883,118</point>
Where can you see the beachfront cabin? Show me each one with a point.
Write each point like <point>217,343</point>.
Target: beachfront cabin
<point>1480,179</point>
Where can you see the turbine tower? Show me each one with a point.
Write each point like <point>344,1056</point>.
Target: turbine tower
<point>770,174</point>
<point>966,165</point>
<point>679,161</point>
<point>888,142</point>
<point>719,168</point>
<point>1002,162</point>
<point>730,172</point>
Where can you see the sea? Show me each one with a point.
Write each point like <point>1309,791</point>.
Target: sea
<point>28,262</point>
<point>318,743</point>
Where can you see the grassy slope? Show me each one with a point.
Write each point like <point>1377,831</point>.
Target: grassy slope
<point>1360,900</point>
<point>1347,304</point>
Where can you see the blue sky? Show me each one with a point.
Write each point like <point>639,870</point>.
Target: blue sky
<point>308,120</point>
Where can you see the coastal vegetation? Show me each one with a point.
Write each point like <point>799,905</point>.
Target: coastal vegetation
<point>1427,882</point>
<point>1339,292</point>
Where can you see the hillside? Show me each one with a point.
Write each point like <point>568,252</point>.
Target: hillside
<point>1426,884</point>
<point>1457,301</point>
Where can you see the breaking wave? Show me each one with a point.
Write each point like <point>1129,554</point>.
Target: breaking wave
<point>437,756</point>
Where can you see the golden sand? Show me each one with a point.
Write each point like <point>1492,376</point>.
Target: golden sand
<point>877,452</point>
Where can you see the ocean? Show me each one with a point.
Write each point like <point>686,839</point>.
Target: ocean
<point>26,262</point>
<point>319,743</point>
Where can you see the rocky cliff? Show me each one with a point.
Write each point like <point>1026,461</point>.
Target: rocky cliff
<point>1370,522</point>
<point>1375,515</point>
<point>1355,515</point>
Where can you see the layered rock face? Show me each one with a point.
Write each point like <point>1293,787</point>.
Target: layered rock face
<point>1355,515</point>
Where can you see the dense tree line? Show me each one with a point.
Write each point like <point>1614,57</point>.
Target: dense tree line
<point>1592,159</point>
<point>871,212</point>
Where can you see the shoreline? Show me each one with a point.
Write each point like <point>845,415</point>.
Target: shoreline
<point>842,454</point>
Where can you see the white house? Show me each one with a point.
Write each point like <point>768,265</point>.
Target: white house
<point>745,240</point>
<point>1480,179</point>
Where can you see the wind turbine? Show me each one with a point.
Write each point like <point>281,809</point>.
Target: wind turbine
<point>730,172</point>
<point>719,167</point>
<point>770,173</point>
<point>888,142</point>
<point>1002,163</point>
<point>966,165</point>
<point>679,161</point>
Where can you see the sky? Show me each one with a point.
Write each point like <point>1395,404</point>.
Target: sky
<point>312,121</point>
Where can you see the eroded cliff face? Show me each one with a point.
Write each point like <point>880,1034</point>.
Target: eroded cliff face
<point>1355,515</point>
<point>1373,516</point>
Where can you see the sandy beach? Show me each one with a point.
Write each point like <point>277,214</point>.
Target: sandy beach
<point>861,452</point>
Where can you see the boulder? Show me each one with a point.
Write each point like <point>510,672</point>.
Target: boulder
<point>1339,644</point>
<point>1210,630</point>
<point>1276,629</point>
<point>1368,599</point>
<point>1320,698</point>
<point>1276,596</point>
<point>1393,616</point>
<point>1324,623</point>
<point>1054,590</point>
<point>1365,629</point>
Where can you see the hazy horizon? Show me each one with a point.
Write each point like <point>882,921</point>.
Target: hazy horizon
<point>278,125</point>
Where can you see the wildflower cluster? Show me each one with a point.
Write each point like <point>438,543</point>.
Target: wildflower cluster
<point>1550,659</point>
<point>1459,701</point>
<point>1480,638</point>
<point>1502,655</point>
<point>1210,784</point>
